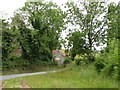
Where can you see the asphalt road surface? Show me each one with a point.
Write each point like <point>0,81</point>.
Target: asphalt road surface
<point>5,77</point>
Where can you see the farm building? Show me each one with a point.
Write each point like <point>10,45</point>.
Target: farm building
<point>58,56</point>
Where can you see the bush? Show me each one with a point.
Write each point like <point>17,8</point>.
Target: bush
<point>67,60</point>
<point>106,63</point>
<point>111,57</point>
<point>80,60</point>
<point>91,59</point>
<point>15,62</point>
<point>99,66</point>
<point>53,63</point>
<point>8,65</point>
<point>45,63</point>
<point>112,71</point>
<point>99,63</point>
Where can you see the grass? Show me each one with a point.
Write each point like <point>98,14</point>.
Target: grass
<point>17,65</point>
<point>73,77</point>
<point>34,68</point>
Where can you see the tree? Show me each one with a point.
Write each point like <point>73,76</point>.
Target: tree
<point>90,18</point>
<point>78,41</point>
<point>109,56</point>
<point>112,16</point>
<point>112,49</point>
<point>7,39</point>
<point>39,26</point>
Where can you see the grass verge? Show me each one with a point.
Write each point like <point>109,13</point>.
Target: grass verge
<point>73,77</point>
<point>30,69</point>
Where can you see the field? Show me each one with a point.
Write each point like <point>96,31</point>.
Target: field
<point>75,77</point>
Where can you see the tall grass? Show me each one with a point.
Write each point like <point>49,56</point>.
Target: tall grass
<point>73,77</point>
<point>18,65</point>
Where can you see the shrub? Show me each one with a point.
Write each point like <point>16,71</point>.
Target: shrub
<point>7,40</point>
<point>45,63</point>
<point>15,62</point>
<point>106,63</point>
<point>53,63</point>
<point>99,63</point>
<point>67,60</point>
<point>8,65</point>
<point>91,58</point>
<point>99,66</point>
<point>112,71</point>
<point>80,60</point>
<point>111,57</point>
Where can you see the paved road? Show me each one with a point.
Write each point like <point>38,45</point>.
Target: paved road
<point>5,77</point>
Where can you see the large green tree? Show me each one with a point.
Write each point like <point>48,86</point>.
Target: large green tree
<point>113,23</point>
<point>39,26</point>
<point>112,48</point>
<point>7,40</point>
<point>90,18</point>
<point>77,41</point>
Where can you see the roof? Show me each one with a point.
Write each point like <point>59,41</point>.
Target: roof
<point>54,51</point>
<point>63,52</point>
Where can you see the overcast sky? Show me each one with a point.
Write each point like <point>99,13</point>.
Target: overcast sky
<point>7,7</point>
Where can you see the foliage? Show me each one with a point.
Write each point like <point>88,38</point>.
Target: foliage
<point>80,60</point>
<point>36,29</point>
<point>107,62</point>
<point>112,16</point>
<point>67,60</point>
<point>40,35</point>
<point>17,65</point>
<point>7,40</point>
<point>98,27</point>
<point>87,18</point>
<point>77,41</point>
<point>112,67</point>
<point>45,63</point>
<point>99,63</point>
<point>15,62</point>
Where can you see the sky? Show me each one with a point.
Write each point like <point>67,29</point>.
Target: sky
<point>7,7</point>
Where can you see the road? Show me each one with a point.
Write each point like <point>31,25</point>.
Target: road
<point>5,77</point>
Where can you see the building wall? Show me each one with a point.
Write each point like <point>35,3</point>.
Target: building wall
<point>58,57</point>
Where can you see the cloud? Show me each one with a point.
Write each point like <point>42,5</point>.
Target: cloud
<point>9,6</point>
